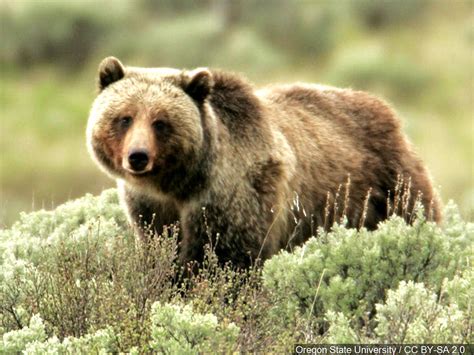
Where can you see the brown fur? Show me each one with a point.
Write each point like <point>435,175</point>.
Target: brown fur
<point>253,170</point>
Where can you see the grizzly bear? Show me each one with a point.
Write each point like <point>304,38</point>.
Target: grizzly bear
<point>252,170</point>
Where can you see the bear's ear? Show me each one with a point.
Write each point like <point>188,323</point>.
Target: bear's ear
<point>199,84</point>
<point>110,70</point>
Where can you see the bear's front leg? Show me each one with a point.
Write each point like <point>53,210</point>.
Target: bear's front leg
<point>146,213</point>
<point>233,239</point>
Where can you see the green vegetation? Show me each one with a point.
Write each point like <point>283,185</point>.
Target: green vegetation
<point>415,53</point>
<point>76,280</point>
<point>177,329</point>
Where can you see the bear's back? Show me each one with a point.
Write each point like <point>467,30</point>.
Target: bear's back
<point>356,112</point>
<point>336,132</point>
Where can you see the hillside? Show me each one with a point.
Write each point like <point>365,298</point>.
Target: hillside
<point>76,280</point>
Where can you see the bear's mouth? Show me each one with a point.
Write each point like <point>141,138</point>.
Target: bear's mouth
<point>138,165</point>
<point>142,174</point>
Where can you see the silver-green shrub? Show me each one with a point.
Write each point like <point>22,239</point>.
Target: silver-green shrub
<point>77,280</point>
<point>178,329</point>
<point>350,271</point>
<point>45,244</point>
<point>82,269</point>
<point>32,340</point>
<point>413,314</point>
<point>101,342</point>
<point>16,340</point>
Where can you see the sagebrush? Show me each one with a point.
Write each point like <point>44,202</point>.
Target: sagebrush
<point>76,279</point>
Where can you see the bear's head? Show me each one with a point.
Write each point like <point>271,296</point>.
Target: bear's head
<point>146,125</point>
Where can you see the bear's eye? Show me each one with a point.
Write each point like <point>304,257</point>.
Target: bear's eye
<point>161,127</point>
<point>125,122</point>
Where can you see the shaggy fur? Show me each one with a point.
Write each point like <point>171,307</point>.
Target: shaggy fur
<point>252,170</point>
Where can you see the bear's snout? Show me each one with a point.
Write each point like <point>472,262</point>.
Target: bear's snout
<point>138,160</point>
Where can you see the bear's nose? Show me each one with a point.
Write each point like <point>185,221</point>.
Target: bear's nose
<point>138,160</point>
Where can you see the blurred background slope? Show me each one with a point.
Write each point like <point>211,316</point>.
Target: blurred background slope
<point>417,54</point>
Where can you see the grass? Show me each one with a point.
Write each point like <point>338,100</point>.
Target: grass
<point>420,64</point>
<point>45,161</point>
